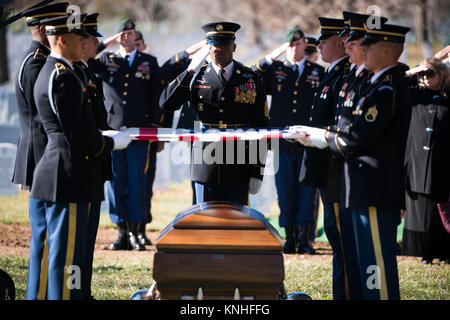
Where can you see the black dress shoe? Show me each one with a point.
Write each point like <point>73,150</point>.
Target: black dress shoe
<point>289,245</point>
<point>135,243</point>
<point>142,237</point>
<point>303,244</point>
<point>122,242</point>
<point>133,237</point>
<point>427,261</point>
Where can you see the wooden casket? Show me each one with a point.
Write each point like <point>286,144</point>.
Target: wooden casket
<point>219,250</point>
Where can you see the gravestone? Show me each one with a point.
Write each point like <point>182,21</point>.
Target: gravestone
<point>7,160</point>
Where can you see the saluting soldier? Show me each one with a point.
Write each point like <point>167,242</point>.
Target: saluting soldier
<point>169,71</point>
<point>68,176</point>
<point>132,87</point>
<point>94,88</point>
<point>292,84</point>
<point>216,91</point>
<point>373,146</point>
<point>32,138</point>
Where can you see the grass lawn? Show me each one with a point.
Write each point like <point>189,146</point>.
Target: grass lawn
<point>118,274</point>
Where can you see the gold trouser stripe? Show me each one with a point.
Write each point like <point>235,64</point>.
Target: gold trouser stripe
<point>42,292</point>
<point>89,209</point>
<point>378,252</point>
<point>338,225</point>
<point>70,250</point>
<point>147,162</point>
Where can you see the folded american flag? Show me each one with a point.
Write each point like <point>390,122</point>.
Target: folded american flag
<point>215,135</point>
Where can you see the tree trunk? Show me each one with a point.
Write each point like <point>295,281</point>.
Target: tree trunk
<point>4,71</point>
<point>426,48</point>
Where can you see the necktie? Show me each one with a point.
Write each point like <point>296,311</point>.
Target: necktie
<point>222,78</point>
<point>127,59</point>
<point>296,68</point>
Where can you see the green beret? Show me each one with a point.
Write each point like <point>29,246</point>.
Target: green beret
<point>127,24</point>
<point>293,34</point>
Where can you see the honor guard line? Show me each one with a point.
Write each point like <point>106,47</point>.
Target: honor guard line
<point>214,134</point>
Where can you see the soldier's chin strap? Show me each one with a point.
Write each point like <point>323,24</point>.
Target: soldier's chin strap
<point>20,14</point>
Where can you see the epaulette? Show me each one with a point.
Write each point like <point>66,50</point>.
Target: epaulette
<point>60,67</point>
<point>39,54</point>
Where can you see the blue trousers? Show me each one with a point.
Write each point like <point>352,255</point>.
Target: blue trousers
<point>38,246</point>
<point>64,254</point>
<point>237,193</point>
<point>338,227</point>
<point>93,222</point>
<point>128,192</point>
<point>297,203</point>
<point>376,234</point>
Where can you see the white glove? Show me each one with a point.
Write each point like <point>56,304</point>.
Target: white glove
<point>277,52</point>
<point>254,185</point>
<point>198,58</point>
<point>121,139</point>
<point>316,137</point>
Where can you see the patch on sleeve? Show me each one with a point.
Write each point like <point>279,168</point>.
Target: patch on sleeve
<point>371,114</point>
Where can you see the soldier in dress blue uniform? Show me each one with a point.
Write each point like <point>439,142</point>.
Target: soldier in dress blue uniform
<point>216,91</point>
<point>169,71</point>
<point>68,177</point>
<point>316,163</point>
<point>373,147</point>
<point>94,88</point>
<point>32,138</point>
<point>292,84</point>
<point>132,87</point>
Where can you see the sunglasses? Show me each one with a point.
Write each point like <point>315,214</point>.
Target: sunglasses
<point>427,73</point>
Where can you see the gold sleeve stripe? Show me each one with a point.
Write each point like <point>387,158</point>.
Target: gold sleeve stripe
<point>101,149</point>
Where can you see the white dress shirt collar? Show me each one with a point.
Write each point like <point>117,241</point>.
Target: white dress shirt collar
<point>379,73</point>
<point>334,63</point>
<point>228,69</point>
<point>132,55</point>
<point>57,56</point>
<point>360,69</point>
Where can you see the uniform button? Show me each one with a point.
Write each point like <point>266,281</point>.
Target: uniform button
<point>426,148</point>
<point>126,84</point>
<point>310,118</point>
<point>89,100</point>
<point>294,110</point>
<point>125,93</point>
<point>111,72</point>
<point>221,110</point>
<point>294,102</point>
<point>222,98</point>
<point>295,93</point>
<point>127,75</point>
<point>429,129</point>
<point>124,102</point>
<point>360,165</point>
<point>87,157</point>
<point>220,122</point>
<point>296,84</point>
<point>146,115</point>
<point>339,117</point>
<point>95,94</point>
<point>201,97</point>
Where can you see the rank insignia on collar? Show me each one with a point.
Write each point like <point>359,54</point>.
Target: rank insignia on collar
<point>371,114</point>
